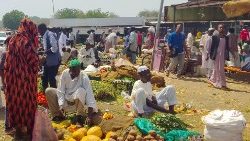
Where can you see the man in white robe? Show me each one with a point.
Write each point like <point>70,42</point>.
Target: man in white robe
<point>86,55</point>
<point>111,40</point>
<point>143,99</point>
<point>74,89</point>
<point>62,42</point>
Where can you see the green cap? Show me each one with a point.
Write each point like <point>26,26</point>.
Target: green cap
<point>74,63</point>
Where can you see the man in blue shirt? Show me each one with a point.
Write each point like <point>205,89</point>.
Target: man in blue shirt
<point>176,43</point>
<point>52,57</point>
<point>167,35</point>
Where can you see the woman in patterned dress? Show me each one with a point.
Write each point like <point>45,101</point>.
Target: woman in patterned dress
<point>21,68</point>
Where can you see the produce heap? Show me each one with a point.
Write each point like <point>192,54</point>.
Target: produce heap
<point>168,122</point>
<point>41,99</point>
<point>67,132</point>
<point>107,85</point>
<point>167,126</point>
<point>235,8</point>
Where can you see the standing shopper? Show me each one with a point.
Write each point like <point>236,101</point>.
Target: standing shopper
<point>111,40</point>
<point>71,39</point>
<point>53,57</point>
<point>176,43</point>
<point>139,43</point>
<point>21,69</point>
<point>132,45</point>
<point>219,53</point>
<point>244,35</point>
<point>62,42</point>
<point>206,61</point>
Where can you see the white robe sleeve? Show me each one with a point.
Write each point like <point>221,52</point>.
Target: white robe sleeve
<point>90,99</point>
<point>135,88</point>
<point>208,45</point>
<point>92,54</point>
<point>61,90</point>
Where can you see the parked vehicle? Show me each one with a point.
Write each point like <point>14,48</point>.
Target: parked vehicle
<point>3,36</point>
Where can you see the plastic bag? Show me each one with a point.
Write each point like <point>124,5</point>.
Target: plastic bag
<point>145,125</point>
<point>179,135</point>
<point>43,130</point>
<point>224,125</point>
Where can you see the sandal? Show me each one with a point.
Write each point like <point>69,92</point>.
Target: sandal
<point>79,120</point>
<point>10,131</point>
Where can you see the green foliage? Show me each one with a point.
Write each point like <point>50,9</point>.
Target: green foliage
<point>69,13</point>
<point>168,122</point>
<point>97,13</point>
<point>148,13</point>
<point>77,13</point>
<point>113,15</point>
<point>39,85</point>
<point>39,20</point>
<point>12,19</point>
<point>104,91</point>
<point>1,24</point>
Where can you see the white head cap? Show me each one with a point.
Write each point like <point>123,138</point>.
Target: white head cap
<point>142,68</point>
<point>211,29</point>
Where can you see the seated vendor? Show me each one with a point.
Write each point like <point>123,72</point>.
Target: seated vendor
<point>65,55</point>
<point>74,89</point>
<point>73,54</point>
<point>246,63</point>
<point>86,55</point>
<point>143,99</point>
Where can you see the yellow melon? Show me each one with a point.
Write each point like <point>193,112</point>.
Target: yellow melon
<point>70,139</point>
<point>79,134</point>
<point>91,138</point>
<point>108,135</point>
<point>96,130</point>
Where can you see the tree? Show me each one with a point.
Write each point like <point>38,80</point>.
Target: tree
<point>148,13</point>
<point>12,19</point>
<point>69,13</point>
<point>76,13</point>
<point>1,24</point>
<point>39,20</point>
<point>113,15</point>
<point>97,13</point>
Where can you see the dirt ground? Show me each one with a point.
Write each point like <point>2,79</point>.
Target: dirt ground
<point>193,91</point>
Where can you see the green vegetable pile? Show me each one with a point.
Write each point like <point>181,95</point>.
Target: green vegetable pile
<point>124,83</point>
<point>168,122</point>
<point>104,90</point>
<point>109,90</point>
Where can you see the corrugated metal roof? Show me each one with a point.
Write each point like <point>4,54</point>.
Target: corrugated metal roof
<point>95,22</point>
<point>200,3</point>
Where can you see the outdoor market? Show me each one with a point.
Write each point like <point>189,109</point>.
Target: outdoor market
<point>182,75</point>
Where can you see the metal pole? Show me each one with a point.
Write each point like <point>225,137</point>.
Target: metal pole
<point>53,5</point>
<point>157,34</point>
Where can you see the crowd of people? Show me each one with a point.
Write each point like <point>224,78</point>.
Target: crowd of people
<point>218,48</point>
<point>20,65</point>
<point>23,59</point>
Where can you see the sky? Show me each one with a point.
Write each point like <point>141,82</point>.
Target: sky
<point>43,8</point>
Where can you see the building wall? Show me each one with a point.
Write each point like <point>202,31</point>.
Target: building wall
<point>195,14</point>
<point>98,30</point>
<point>199,14</point>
